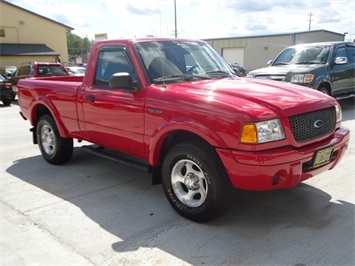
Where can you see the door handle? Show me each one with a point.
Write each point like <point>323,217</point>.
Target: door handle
<point>91,98</point>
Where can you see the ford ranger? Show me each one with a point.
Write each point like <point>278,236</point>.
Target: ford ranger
<point>175,108</point>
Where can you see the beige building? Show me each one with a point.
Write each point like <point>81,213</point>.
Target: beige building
<point>26,36</point>
<point>254,51</point>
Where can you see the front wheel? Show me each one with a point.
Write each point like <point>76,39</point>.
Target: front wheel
<point>54,148</point>
<point>195,182</point>
<point>324,90</point>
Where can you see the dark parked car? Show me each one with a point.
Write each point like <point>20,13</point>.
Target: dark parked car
<point>6,92</point>
<point>328,67</point>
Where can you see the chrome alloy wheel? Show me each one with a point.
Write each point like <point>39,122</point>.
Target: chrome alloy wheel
<point>48,140</point>
<point>189,183</point>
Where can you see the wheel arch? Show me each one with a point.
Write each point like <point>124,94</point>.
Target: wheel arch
<point>326,83</point>
<point>174,132</point>
<point>43,106</point>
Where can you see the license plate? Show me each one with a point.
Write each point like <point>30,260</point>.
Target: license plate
<point>323,156</point>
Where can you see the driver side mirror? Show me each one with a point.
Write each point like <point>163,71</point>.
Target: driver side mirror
<point>341,60</point>
<point>122,80</point>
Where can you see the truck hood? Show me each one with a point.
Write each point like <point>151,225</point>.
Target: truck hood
<point>284,69</point>
<point>258,97</point>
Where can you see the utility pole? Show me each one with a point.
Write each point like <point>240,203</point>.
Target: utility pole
<point>310,20</point>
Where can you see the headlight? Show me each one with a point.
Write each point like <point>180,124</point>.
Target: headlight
<point>338,113</point>
<point>250,75</point>
<point>262,132</point>
<point>302,78</point>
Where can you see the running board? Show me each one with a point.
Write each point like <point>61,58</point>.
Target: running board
<point>118,157</point>
<point>341,97</point>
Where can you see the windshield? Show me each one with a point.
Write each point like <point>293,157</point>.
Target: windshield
<point>303,55</point>
<point>181,60</point>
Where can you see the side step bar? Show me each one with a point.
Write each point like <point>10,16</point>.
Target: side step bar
<point>118,157</point>
<point>341,97</point>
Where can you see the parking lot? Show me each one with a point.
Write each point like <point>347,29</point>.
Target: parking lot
<point>92,211</point>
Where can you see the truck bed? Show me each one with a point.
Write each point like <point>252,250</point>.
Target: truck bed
<point>49,88</point>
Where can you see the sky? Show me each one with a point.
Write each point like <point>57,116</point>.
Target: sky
<point>199,19</point>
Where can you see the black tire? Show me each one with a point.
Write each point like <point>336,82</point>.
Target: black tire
<point>324,90</point>
<point>55,149</point>
<point>195,182</point>
<point>6,102</point>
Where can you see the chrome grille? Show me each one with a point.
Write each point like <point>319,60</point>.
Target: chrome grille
<point>312,125</point>
<point>271,77</point>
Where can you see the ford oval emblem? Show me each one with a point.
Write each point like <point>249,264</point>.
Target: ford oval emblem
<point>318,124</point>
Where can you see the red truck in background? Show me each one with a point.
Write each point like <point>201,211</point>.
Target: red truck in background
<point>37,69</point>
<point>175,108</point>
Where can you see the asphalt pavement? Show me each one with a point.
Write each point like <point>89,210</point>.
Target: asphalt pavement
<point>93,211</point>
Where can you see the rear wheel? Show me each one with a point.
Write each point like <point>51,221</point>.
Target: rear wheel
<point>6,102</point>
<point>195,182</point>
<point>54,148</point>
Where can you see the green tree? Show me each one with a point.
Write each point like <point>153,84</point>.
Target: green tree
<point>77,45</point>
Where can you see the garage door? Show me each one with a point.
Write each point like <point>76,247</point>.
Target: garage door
<point>233,55</point>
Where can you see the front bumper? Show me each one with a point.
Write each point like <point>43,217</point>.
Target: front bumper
<point>280,168</point>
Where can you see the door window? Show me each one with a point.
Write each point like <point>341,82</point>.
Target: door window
<point>112,60</point>
<point>340,52</point>
<point>350,52</point>
<point>24,70</point>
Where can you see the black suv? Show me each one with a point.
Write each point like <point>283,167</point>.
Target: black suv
<point>326,66</point>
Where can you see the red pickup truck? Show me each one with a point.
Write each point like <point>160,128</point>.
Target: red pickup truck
<point>175,108</point>
<point>37,69</point>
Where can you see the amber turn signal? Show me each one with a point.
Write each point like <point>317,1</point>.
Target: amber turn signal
<point>249,134</point>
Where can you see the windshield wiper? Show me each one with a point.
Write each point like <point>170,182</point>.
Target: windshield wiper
<point>305,63</point>
<point>218,72</point>
<point>184,77</point>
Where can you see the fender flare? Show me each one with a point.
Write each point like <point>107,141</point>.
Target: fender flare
<point>323,79</point>
<point>180,124</point>
<point>41,100</point>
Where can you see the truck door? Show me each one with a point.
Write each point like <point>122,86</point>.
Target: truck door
<point>342,74</point>
<point>113,117</point>
<point>350,54</point>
